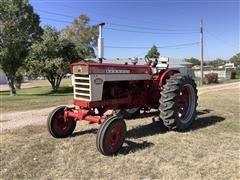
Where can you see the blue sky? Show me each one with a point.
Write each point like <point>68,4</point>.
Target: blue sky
<point>159,22</point>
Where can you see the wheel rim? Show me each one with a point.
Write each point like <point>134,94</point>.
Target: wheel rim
<point>186,103</point>
<point>114,138</point>
<point>60,125</point>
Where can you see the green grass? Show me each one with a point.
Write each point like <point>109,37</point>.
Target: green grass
<point>208,150</point>
<point>34,98</point>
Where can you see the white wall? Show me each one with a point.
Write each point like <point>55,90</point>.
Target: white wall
<point>222,74</point>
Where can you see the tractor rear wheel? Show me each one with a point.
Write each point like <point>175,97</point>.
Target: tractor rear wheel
<point>57,126</point>
<point>178,102</point>
<point>127,113</point>
<point>111,135</point>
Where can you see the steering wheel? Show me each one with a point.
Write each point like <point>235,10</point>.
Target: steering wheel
<point>148,61</point>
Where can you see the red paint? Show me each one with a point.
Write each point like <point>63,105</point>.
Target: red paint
<point>82,115</point>
<point>96,68</point>
<point>114,137</point>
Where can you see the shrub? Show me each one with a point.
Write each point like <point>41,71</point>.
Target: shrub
<point>211,78</point>
<point>237,73</point>
<point>233,74</point>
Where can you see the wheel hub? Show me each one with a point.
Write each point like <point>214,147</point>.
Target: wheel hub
<point>185,103</point>
<point>114,137</point>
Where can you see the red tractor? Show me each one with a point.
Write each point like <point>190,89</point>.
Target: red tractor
<point>127,89</point>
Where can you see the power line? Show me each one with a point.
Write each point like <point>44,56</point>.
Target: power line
<point>117,24</point>
<point>124,30</point>
<point>128,19</point>
<point>145,32</point>
<point>147,28</point>
<point>160,47</point>
<point>219,39</point>
<point>63,15</point>
<point>56,20</point>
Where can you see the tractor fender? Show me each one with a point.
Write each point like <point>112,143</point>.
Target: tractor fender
<point>166,75</point>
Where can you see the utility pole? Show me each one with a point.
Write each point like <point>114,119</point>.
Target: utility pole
<point>201,49</point>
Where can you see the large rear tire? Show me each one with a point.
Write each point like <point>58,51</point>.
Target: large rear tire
<point>111,135</point>
<point>57,126</point>
<point>178,102</point>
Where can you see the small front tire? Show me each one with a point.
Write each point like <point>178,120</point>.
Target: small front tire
<point>111,135</point>
<point>57,126</point>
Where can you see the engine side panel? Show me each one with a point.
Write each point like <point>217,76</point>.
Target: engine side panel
<point>112,85</point>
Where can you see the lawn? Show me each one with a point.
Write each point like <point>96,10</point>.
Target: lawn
<point>209,150</point>
<point>39,96</point>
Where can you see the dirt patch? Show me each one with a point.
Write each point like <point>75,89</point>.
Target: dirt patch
<point>211,88</point>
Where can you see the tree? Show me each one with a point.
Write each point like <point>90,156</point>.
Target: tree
<point>193,61</point>
<point>235,59</point>
<point>19,28</point>
<point>217,62</point>
<point>153,52</point>
<point>51,57</point>
<point>83,36</point>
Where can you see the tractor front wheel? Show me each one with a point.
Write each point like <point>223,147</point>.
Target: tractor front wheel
<point>58,127</point>
<point>111,135</point>
<point>178,102</point>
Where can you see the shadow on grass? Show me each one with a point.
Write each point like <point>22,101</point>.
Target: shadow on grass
<point>61,90</point>
<point>203,122</point>
<point>204,111</point>
<point>147,130</point>
<point>132,147</point>
<point>158,128</point>
<point>154,128</point>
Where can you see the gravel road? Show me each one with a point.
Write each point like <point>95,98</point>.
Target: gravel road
<point>13,120</point>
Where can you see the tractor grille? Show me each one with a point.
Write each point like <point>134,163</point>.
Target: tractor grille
<point>81,87</point>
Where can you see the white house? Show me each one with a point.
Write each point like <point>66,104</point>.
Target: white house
<point>227,66</point>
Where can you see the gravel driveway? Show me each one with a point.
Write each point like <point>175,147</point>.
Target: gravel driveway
<point>12,120</point>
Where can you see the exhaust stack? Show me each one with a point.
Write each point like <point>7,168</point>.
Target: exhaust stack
<point>101,43</point>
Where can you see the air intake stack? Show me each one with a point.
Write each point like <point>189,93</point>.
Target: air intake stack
<point>101,43</point>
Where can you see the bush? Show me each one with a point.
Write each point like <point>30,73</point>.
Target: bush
<point>211,78</point>
<point>233,74</point>
<point>237,70</point>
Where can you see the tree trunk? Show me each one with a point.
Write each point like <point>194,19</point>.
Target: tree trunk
<point>11,79</point>
<point>55,81</point>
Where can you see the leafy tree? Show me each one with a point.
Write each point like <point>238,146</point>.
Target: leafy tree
<point>217,62</point>
<point>153,52</point>
<point>51,56</point>
<point>235,59</point>
<point>194,61</point>
<point>19,28</point>
<point>83,36</point>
